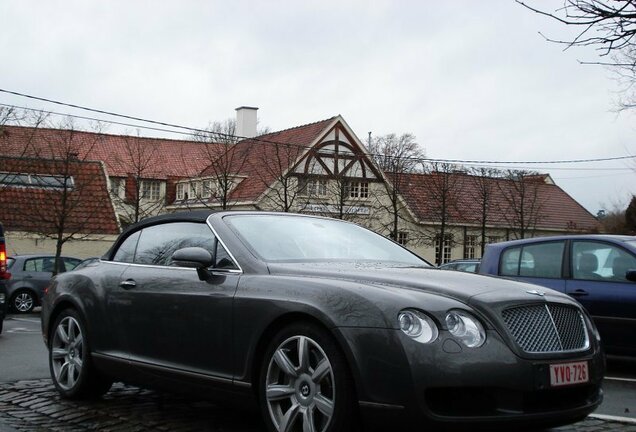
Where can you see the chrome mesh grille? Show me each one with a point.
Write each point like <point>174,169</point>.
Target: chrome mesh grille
<point>546,328</point>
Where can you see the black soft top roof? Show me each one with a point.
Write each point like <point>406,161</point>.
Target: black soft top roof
<point>186,216</point>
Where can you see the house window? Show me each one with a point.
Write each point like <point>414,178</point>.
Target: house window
<point>469,249</point>
<point>445,256</point>
<point>195,189</point>
<point>359,190</point>
<point>182,193</point>
<point>117,187</point>
<point>402,237</point>
<point>43,181</point>
<point>314,187</point>
<point>207,188</point>
<point>151,190</point>
<point>494,239</point>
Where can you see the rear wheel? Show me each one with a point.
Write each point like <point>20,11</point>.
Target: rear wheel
<point>23,301</point>
<point>70,362</point>
<point>305,383</point>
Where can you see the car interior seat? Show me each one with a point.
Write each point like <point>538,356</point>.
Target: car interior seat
<point>588,264</point>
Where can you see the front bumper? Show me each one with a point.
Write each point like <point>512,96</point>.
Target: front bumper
<point>444,382</point>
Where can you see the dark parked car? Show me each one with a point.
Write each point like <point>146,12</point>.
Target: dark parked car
<point>322,322</point>
<point>3,277</point>
<point>465,265</point>
<point>597,270</point>
<point>28,276</point>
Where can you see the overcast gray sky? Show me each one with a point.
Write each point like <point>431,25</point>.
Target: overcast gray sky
<point>470,79</point>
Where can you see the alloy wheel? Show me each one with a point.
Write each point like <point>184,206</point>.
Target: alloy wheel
<point>23,302</point>
<point>67,353</point>
<point>300,387</point>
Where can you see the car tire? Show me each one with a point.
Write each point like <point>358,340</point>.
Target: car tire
<point>70,362</point>
<point>23,301</point>
<point>305,383</point>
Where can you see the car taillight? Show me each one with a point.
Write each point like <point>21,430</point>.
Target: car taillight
<point>3,261</point>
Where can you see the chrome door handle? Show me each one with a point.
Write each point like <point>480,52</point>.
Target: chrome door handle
<point>128,284</point>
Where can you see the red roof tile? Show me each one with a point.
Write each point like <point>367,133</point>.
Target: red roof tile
<point>88,211</point>
<point>557,209</point>
<point>262,159</point>
<point>160,158</point>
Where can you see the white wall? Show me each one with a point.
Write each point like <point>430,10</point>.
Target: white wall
<point>23,243</point>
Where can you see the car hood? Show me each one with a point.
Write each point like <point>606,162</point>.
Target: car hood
<point>468,288</point>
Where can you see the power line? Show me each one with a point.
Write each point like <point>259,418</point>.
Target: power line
<point>257,139</point>
<point>102,111</point>
<point>95,119</point>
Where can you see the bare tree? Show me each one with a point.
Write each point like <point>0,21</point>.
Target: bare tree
<point>63,182</point>
<point>30,120</point>
<point>630,216</point>
<point>444,189</point>
<point>227,157</point>
<point>612,221</point>
<point>397,156</point>
<point>225,162</point>
<point>273,167</point>
<point>328,196</point>
<point>140,199</point>
<point>607,25</point>
<point>522,200</point>
<point>483,190</point>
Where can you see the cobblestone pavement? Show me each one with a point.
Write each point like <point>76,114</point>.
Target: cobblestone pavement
<point>34,406</point>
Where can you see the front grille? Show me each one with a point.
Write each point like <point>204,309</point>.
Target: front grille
<point>547,328</point>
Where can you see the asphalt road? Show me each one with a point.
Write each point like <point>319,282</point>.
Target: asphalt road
<point>22,351</point>
<point>24,358</point>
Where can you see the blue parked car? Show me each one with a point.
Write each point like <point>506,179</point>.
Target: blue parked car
<point>597,270</point>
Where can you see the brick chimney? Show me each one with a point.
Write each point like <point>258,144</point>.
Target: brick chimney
<point>246,121</point>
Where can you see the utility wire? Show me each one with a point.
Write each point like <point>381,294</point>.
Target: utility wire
<point>95,119</point>
<point>258,139</point>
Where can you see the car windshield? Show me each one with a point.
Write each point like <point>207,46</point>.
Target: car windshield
<point>297,238</point>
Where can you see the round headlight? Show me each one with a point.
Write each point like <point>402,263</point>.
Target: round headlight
<point>417,326</point>
<point>466,328</point>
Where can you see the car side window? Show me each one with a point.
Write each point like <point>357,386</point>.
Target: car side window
<point>126,251</point>
<point>43,264</point>
<point>158,243</point>
<point>541,260</point>
<point>223,260</point>
<point>70,263</point>
<point>600,261</point>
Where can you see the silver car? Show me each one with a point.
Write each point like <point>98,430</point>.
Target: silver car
<point>29,275</point>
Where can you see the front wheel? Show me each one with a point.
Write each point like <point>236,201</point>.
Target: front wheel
<point>70,361</point>
<point>23,301</point>
<point>305,383</point>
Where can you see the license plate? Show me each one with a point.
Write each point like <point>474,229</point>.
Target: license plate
<point>564,374</point>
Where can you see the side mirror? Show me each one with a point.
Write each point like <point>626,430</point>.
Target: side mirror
<point>193,257</point>
<point>631,275</point>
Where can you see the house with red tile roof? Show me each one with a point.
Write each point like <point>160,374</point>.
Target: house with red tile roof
<point>319,168</point>
<point>139,169</point>
<point>482,209</point>
<point>41,199</point>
